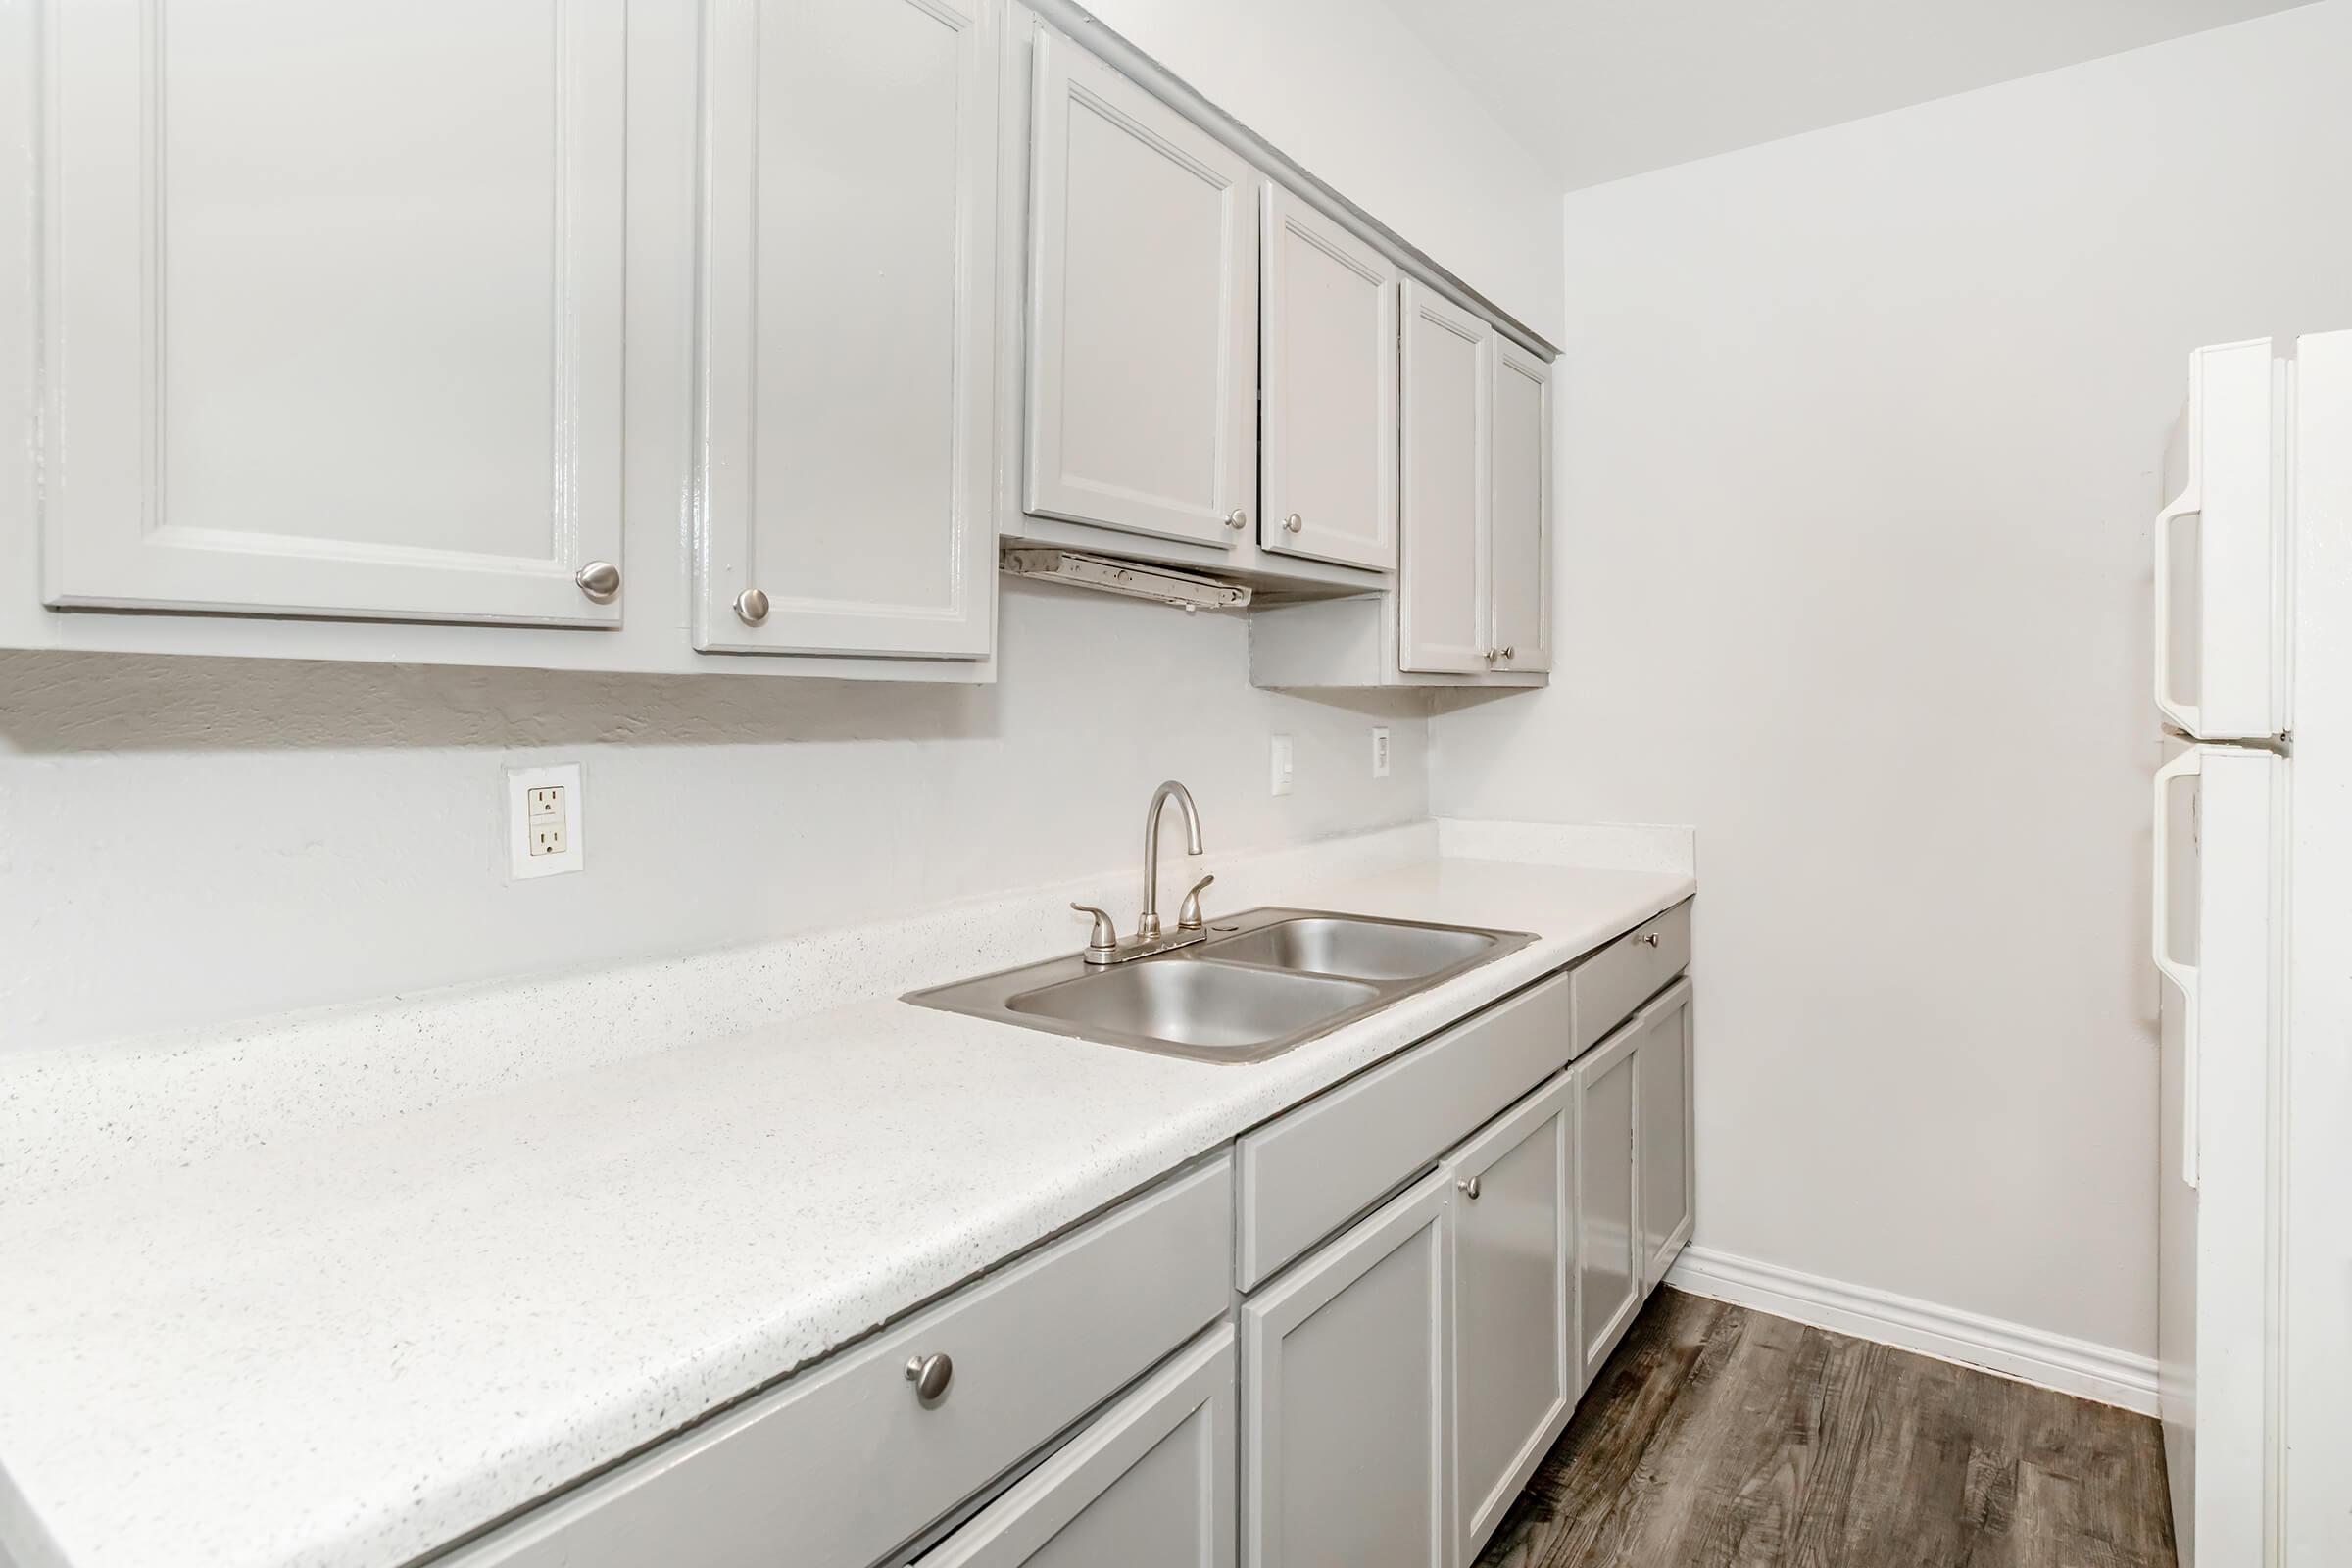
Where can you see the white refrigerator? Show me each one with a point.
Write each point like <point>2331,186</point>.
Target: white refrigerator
<point>2249,585</point>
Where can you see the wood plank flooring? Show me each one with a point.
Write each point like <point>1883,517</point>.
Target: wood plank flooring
<point>1720,1437</point>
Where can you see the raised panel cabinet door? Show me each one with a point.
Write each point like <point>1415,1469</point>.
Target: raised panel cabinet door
<point>1447,420</point>
<point>849,328</point>
<point>333,319</point>
<point>1142,310</point>
<point>1609,1240</point>
<point>1327,389</point>
<point>1667,1116</point>
<point>1148,1484</point>
<point>1514,1318</point>
<point>1344,1362</point>
<point>1521,521</point>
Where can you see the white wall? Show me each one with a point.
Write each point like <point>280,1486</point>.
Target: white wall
<point>1860,437</point>
<point>187,840</point>
<point>1346,88</point>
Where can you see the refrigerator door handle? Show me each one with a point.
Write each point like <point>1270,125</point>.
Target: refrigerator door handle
<point>2184,715</point>
<point>2183,976</point>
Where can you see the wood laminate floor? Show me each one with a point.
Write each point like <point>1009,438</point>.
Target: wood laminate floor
<point>1720,1437</point>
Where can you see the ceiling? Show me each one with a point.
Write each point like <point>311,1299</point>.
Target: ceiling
<point>1599,89</point>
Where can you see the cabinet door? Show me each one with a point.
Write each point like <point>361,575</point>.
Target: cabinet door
<point>1663,1096</point>
<point>1149,1482</point>
<point>1513,1331</point>
<point>1442,588</point>
<point>1327,388</point>
<point>849,327</point>
<point>334,317</point>
<point>1142,310</point>
<point>1345,1363</point>
<point>1608,1241</point>
<point>1522,519</point>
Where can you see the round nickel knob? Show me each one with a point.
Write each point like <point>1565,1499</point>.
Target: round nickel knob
<point>1237,520</point>
<point>1469,1189</point>
<point>1510,652</point>
<point>1649,938</point>
<point>930,1375</point>
<point>599,580</point>
<point>751,606</point>
<point>1294,522</point>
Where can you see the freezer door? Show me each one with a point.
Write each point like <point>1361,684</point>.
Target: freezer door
<point>2219,891</point>
<point>2222,550</point>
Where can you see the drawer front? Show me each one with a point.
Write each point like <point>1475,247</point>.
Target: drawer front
<point>1148,1484</point>
<point>1607,987</point>
<point>846,1460</point>
<point>1306,1174</point>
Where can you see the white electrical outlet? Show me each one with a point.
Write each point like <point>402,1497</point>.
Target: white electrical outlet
<point>545,832</point>
<point>1279,759</point>
<point>1379,751</point>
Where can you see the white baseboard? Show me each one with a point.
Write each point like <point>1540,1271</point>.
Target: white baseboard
<point>2010,1350</point>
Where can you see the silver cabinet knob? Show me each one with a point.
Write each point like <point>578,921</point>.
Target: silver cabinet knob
<point>1510,652</point>
<point>1492,654</point>
<point>751,606</point>
<point>930,1375</point>
<point>599,580</point>
<point>1469,1189</point>
<point>1237,519</point>
<point>1649,938</point>
<point>1294,522</point>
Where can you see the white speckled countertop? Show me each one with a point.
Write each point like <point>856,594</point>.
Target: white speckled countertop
<point>348,1346</point>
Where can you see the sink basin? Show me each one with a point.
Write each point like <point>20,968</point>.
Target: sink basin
<point>1263,981</point>
<point>1207,1005</point>
<point>1362,950</point>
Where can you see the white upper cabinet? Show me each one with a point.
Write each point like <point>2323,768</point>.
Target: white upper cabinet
<point>849,328</point>
<point>1442,588</point>
<point>1327,389</point>
<point>1520,531</point>
<point>1143,314</point>
<point>334,315</point>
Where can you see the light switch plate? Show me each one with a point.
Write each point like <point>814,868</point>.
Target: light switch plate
<point>1279,765</point>
<point>546,822</point>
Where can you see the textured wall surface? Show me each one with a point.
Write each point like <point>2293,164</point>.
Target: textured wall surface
<point>187,840</point>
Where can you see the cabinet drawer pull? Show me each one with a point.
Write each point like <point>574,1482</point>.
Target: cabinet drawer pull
<point>1649,938</point>
<point>1294,522</point>
<point>1469,1189</point>
<point>1510,652</point>
<point>751,606</point>
<point>1237,520</point>
<point>930,1375</point>
<point>599,580</point>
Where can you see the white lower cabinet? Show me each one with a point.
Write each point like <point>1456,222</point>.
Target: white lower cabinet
<point>1346,1361</point>
<point>1608,1242</point>
<point>1662,1096</point>
<point>1149,1484</point>
<point>1514,1312</point>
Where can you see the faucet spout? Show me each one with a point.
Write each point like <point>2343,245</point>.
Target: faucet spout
<point>1146,924</point>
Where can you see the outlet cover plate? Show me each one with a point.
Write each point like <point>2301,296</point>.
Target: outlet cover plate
<point>521,824</point>
<point>1379,751</point>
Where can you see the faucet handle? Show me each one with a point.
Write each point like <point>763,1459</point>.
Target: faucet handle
<point>1188,914</point>
<point>1103,940</point>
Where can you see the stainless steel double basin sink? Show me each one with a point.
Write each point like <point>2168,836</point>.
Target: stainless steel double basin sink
<point>1258,984</point>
